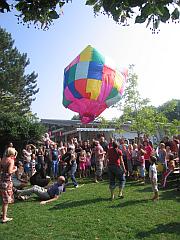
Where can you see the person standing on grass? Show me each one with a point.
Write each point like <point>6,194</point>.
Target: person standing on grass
<point>48,161</point>
<point>69,159</point>
<point>129,160</point>
<point>134,161</point>
<point>116,169</point>
<point>40,157</point>
<point>55,161</point>
<point>153,177</point>
<point>148,151</point>
<point>141,160</point>
<point>82,164</point>
<point>99,159</point>
<point>162,156</point>
<point>46,195</point>
<point>88,164</point>
<point>7,168</point>
<point>27,152</point>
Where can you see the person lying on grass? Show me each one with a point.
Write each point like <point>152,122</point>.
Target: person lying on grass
<point>46,195</point>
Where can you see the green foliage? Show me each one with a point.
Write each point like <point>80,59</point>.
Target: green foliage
<point>43,12</point>
<point>103,122</point>
<point>17,89</point>
<point>20,129</point>
<point>171,109</point>
<point>38,12</point>
<point>143,118</point>
<point>152,12</point>
<point>76,117</point>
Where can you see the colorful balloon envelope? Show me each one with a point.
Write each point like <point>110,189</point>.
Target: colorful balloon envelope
<point>92,84</point>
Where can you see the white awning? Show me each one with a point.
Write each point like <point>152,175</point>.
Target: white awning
<point>89,130</point>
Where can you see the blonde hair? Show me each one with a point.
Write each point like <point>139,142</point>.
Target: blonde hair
<point>162,145</point>
<point>10,152</point>
<point>82,153</point>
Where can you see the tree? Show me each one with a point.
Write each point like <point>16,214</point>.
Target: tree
<point>143,118</point>
<point>17,89</point>
<point>76,117</point>
<point>152,12</point>
<point>43,12</point>
<point>171,109</point>
<point>19,129</point>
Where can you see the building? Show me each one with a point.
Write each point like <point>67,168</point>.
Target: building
<point>63,130</point>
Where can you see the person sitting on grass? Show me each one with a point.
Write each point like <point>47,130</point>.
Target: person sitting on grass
<point>46,195</point>
<point>19,178</point>
<point>40,178</point>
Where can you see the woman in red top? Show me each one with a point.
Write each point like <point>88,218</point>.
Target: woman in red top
<point>148,152</point>
<point>7,168</point>
<point>116,169</point>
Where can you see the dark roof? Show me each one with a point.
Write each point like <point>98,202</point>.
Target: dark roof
<point>74,123</point>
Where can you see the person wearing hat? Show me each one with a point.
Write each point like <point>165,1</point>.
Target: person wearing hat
<point>48,195</point>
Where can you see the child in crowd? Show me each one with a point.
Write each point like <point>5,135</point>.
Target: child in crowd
<point>88,164</point>
<point>134,161</point>
<point>40,157</point>
<point>27,152</point>
<point>82,163</point>
<point>153,177</point>
<point>33,164</point>
<point>141,160</point>
<point>129,160</point>
<point>162,156</point>
<point>171,166</point>
<point>62,164</point>
<point>168,152</point>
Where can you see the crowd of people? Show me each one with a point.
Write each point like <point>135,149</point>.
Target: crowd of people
<point>56,163</point>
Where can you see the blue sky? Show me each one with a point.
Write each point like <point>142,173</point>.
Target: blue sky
<point>156,57</point>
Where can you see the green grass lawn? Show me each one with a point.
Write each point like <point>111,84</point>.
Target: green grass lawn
<point>87,213</point>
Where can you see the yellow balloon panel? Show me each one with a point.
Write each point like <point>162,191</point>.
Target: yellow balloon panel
<point>94,87</point>
<point>86,55</point>
<point>118,81</point>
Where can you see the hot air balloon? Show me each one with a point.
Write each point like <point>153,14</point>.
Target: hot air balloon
<point>91,84</point>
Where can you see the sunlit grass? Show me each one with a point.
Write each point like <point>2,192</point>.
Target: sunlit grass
<point>88,213</point>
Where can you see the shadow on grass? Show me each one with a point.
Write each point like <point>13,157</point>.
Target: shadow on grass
<point>171,194</point>
<point>168,193</point>
<point>30,199</point>
<point>172,227</point>
<point>74,204</point>
<point>130,203</point>
<point>145,189</point>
